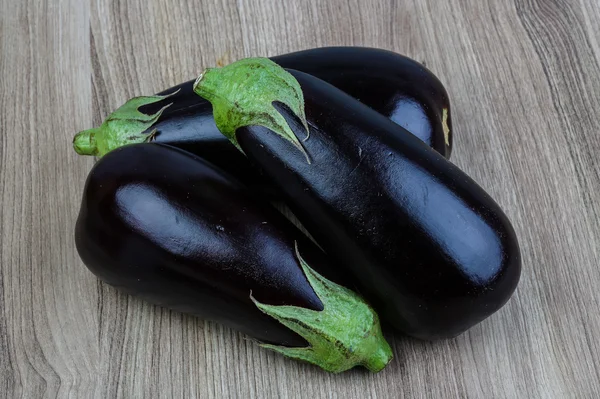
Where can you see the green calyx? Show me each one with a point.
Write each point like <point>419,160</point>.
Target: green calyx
<point>124,126</point>
<point>243,93</point>
<point>345,334</point>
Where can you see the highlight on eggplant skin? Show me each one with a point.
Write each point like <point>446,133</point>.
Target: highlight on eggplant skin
<point>423,241</point>
<point>166,226</point>
<point>394,85</point>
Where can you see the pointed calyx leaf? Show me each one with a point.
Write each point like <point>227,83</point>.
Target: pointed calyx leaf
<point>124,126</point>
<point>243,93</point>
<point>346,333</point>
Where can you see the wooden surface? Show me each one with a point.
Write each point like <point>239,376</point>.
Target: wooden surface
<point>524,81</point>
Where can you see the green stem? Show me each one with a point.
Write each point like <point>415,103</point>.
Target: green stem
<point>345,334</point>
<point>84,142</point>
<point>126,125</point>
<point>243,93</point>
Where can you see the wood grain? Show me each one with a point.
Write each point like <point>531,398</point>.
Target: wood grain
<point>524,80</point>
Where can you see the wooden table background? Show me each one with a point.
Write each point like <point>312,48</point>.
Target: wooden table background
<point>524,81</point>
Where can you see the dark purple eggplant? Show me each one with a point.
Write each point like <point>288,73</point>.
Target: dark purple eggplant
<point>164,225</point>
<point>396,86</point>
<point>424,242</point>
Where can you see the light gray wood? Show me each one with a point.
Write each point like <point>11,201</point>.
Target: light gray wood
<point>524,81</point>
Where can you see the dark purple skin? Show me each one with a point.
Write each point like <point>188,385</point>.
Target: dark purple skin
<point>394,85</point>
<point>164,225</point>
<point>425,244</point>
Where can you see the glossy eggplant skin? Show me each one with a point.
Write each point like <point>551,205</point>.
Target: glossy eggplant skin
<point>166,226</point>
<point>394,85</point>
<point>424,242</point>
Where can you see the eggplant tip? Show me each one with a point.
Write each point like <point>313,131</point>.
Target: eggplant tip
<point>445,126</point>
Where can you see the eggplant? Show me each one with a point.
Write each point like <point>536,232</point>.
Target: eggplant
<point>394,85</point>
<point>425,244</point>
<point>169,227</point>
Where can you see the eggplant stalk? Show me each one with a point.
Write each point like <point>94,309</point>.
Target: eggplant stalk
<point>263,83</point>
<point>346,333</point>
<point>124,126</point>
